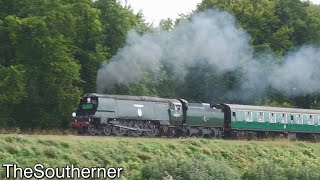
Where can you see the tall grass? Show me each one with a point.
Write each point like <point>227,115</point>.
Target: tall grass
<point>162,158</point>
<point>54,131</point>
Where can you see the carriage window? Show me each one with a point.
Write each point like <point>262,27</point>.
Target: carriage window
<point>291,117</point>
<point>298,120</point>
<point>272,118</point>
<point>261,117</point>
<point>311,120</point>
<point>234,114</point>
<point>249,116</point>
<point>282,115</point>
<point>87,106</point>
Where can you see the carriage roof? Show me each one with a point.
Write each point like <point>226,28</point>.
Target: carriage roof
<point>132,98</point>
<point>273,109</point>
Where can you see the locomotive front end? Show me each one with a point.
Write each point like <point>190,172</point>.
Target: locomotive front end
<point>84,115</point>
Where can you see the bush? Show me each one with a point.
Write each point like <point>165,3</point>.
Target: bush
<point>191,168</point>
<point>270,170</point>
<point>263,170</point>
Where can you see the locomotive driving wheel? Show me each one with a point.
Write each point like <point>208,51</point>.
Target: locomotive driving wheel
<point>188,133</point>
<point>153,129</point>
<point>118,131</point>
<point>138,125</point>
<point>192,132</point>
<point>107,130</point>
<point>92,130</point>
<point>214,133</point>
<point>153,132</point>
<point>201,133</point>
<point>171,132</point>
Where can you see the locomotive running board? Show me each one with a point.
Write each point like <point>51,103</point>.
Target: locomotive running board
<point>135,129</point>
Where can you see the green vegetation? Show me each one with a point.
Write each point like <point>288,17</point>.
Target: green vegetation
<point>159,158</point>
<point>50,52</point>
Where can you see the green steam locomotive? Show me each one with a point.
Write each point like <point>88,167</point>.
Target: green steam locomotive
<point>152,116</point>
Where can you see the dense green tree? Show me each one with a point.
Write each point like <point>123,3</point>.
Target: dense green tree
<point>117,21</point>
<point>50,52</point>
<point>12,91</point>
<point>88,41</point>
<point>278,25</point>
<point>51,73</point>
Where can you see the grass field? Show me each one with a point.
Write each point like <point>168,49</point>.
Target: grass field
<point>161,158</point>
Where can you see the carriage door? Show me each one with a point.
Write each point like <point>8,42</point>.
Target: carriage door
<point>176,113</point>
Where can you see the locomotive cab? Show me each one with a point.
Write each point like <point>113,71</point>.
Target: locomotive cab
<point>176,113</point>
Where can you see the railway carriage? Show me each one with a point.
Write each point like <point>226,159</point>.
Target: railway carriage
<point>261,120</point>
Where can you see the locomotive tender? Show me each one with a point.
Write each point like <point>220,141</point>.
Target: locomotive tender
<point>152,116</point>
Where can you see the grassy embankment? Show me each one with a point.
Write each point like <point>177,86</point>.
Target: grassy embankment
<point>150,158</point>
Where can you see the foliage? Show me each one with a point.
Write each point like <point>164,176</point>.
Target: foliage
<point>163,158</point>
<point>278,24</point>
<point>166,24</point>
<point>50,52</point>
<point>188,168</point>
<point>12,88</point>
<point>12,84</point>
<point>266,169</point>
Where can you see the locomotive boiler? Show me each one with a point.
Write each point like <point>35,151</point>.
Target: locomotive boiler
<point>142,115</point>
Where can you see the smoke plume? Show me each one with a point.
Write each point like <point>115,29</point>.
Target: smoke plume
<point>212,36</point>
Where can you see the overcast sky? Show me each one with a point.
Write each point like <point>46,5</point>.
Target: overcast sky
<point>155,10</point>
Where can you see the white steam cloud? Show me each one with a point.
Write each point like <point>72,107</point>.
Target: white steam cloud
<point>299,73</point>
<point>212,36</point>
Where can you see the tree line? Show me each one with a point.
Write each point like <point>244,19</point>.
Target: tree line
<point>50,52</point>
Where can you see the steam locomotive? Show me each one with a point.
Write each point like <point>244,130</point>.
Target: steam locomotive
<point>152,116</point>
